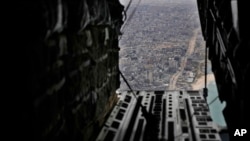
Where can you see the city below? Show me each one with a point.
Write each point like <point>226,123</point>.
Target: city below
<point>162,47</point>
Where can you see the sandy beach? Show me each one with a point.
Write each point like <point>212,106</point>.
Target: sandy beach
<point>199,82</point>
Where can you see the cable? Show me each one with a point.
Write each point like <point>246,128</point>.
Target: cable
<point>210,103</point>
<point>130,16</point>
<point>177,136</point>
<point>205,90</point>
<point>125,80</point>
<point>150,118</point>
<point>128,6</point>
<point>205,67</point>
<point>146,114</point>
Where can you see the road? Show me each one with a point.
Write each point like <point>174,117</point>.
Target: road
<point>190,50</point>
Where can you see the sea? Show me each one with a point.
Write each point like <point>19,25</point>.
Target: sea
<point>216,108</point>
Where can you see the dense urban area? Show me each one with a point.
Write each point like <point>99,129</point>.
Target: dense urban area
<point>161,47</point>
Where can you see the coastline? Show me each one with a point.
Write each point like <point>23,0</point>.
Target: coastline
<point>200,81</point>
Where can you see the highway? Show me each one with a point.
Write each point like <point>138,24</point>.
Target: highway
<point>190,50</point>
